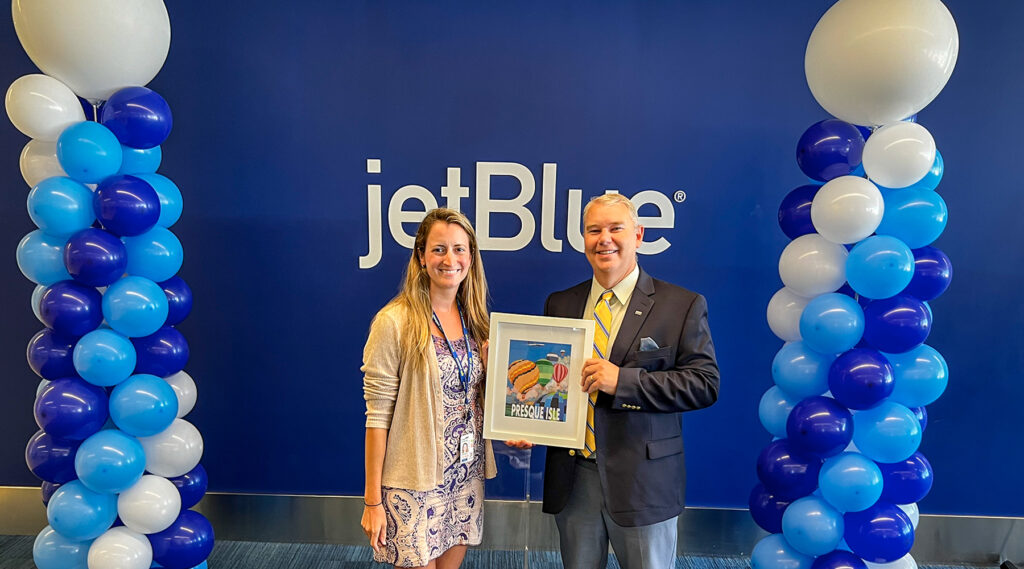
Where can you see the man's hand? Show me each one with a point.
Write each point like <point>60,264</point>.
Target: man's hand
<point>600,375</point>
<point>519,444</point>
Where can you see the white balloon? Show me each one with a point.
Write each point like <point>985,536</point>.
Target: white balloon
<point>899,154</point>
<point>95,46</point>
<point>905,562</point>
<point>847,209</point>
<point>39,162</point>
<point>872,62</point>
<point>150,505</point>
<point>811,265</point>
<point>42,107</point>
<point>120,548</point>
<point>185,388</point>
<point>912,511</point>
<point>784,310</point>
<point>174,451</point>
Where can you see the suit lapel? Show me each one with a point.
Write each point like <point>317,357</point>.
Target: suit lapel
<point>640,304</point>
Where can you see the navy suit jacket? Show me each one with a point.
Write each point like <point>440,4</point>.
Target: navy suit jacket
<point>638,430</point>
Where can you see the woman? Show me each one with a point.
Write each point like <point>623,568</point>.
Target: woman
<point>423,363</point>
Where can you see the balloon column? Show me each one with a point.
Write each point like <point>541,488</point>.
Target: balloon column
<point>119,463</point>
<point>839,484</point>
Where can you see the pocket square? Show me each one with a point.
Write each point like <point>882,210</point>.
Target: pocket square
<point>648,345</point>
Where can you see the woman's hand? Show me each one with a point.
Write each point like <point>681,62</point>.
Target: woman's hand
<point>519,444</point>
<point>375,526</point>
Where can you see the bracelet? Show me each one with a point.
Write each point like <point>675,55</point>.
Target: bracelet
<point>373,505</point>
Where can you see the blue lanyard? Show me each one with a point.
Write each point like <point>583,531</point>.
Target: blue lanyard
<point>464,376</point>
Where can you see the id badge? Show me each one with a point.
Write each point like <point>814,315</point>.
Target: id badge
<point>466,446</point>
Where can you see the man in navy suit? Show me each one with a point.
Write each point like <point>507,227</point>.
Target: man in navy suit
<point>661,362</point>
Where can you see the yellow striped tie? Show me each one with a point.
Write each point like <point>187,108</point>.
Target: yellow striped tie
<point>603,318</point>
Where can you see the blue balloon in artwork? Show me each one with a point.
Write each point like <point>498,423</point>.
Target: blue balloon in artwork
<point>933,177</point>
<point>60,206</point>
<point>882,533</point>
<point>812,526</point>
<point>773,552</point>
<point>135,306</point>
<point>933,272</point>
<point>51,459</point>
<point>774,408</point>
<point>104,357</point>
<point>71,409</point>
<point>896,325</point>
<point>126,205</point>
<point>89,152</point>
<point>110,462</point>
<point>829,149</point>
<point>138,117</point>
<point>832,323</point>
<point>907,481</point>
<point>52,550</point>
<point>179,299</point>
<point>187,543</point>
<point>171,203</point>
<point>41,258</point>
<point>860,378</point>
<point>820,426</point>
<point>887,433</point>
<point>136,161</point>
<point>192,486</point>
<point>921,376</point>
<point>50,354</point>
<point>70,308</point>
<point>156,254</point>
<point>80,514</point>
<point>143,405</point>
<point>786,471</point>
<point>94,257</point>
<point>880,266</point>
<point>161,354</point>
<point>801,371</point>
<point>850,482</point>
<point>915,217</point>
<point>795,211</point>
<point>839,559</point>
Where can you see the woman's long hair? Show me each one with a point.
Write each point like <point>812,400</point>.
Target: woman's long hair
<point>414,297</point>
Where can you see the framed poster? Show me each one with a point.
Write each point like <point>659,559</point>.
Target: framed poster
<point>534,366</point>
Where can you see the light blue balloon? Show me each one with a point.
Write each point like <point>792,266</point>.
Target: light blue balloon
<point>879,267</point>
<point>914,216</point>
<point>933,177</point>
<point>135,306</point>
<point>156,254</point>
<point>170,198</point>
<point>89,152</point>
<point>78,513</point>
<point>773,552</point>
<point>832,323</point>
<point>110,462</point>
<point>850,482</point>
<point>889,432</point>
<point>60,206</point>
<point>774,408</point>
<point>921,376</point>
<point>812,526</point>
<point>801,372</point>
<point>52,550</point>
<point>41,258</point>
<point>103,357</point>
<point>137,161</point>
<point>143,405</point>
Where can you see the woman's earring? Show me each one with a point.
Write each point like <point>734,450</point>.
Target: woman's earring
<point>423,266</point>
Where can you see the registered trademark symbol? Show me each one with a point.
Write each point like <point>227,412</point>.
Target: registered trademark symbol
<point>679,196</point>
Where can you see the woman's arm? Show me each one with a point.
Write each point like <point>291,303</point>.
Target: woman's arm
<point>374,521</point>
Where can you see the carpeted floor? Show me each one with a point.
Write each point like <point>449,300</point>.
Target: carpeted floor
<point>16,553</point>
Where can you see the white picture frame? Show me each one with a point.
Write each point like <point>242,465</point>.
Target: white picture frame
<point>540,400</point>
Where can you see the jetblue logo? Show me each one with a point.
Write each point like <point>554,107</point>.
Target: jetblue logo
<point>400,210</point>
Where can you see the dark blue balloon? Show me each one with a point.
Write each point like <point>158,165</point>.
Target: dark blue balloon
<point>908,481</point>
<point>767,509</point>
<point>50,355</point>
<point>787,472</point>
<point>860,379</point>
<point>138,117</point>
<point>47,489</point>
<point>70,408</point>
<point>882,533</point>
<point>795,211</point>
<point>922,416</point>
<point>820,426</point>
<point>126,205</point>
<point>94,257</point>
<point>839,559</point>
<point>896,325</point>
<point>179,299</point>
<point>162,353</point>
<point>192,486</point>
<point>51,459</point>
<point>185,544</point>
<point>829,149</point>
<point>865,131</point>
<point>932,273</point>
<point>70,308</point>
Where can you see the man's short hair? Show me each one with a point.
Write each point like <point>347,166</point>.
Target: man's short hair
<point>614,199</point>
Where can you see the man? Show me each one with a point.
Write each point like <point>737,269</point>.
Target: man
<point>653,359</point>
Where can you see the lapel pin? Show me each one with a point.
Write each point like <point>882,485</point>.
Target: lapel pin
<point>638,313</point>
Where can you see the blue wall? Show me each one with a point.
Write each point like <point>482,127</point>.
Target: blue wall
<point>276,112</point>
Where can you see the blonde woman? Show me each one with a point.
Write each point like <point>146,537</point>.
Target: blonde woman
<point>424,367</point>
